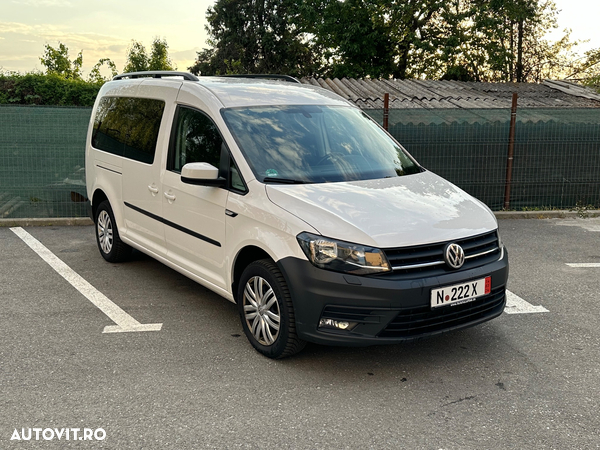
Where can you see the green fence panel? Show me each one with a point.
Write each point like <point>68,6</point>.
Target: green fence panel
<point>556,155</point>
<point>42,172</point>
<point>556,152</point>
<point>556,165</point>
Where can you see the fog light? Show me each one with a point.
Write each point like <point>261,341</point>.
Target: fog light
<point>337,324</point>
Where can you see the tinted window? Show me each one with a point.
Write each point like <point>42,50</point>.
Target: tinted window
<point>196,139</point>
<point>128,127</point>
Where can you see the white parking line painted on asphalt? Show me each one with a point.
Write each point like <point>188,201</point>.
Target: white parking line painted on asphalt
<point>583,264</point>
<point>516,305</point>
<point>125,323</point>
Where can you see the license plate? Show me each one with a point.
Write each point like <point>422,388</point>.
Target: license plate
<point>460,293</point>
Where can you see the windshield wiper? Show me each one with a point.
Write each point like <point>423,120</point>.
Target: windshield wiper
<point>282,180</point>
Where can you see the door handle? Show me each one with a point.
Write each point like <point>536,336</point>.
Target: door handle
<point>153,189</point>
<point>170,198</point>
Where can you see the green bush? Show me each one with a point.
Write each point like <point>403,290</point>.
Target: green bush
<point>51,89</point>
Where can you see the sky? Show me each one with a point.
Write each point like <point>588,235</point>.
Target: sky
<point>101,28</point>
<point>105,28</point>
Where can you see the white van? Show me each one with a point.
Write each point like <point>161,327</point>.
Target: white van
<point>291,202</point>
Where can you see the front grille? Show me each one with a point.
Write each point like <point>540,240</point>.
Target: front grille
<point>424,320</point>
<point>428,260</point>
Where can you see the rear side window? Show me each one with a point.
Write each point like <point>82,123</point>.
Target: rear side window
<point>128,127</point>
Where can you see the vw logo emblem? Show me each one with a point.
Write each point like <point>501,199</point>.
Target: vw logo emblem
<point>454,256</point>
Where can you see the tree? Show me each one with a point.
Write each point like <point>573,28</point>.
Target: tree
<point>56,61</point>
<point>510,34</point>
<point>255,36</point>
<point>139,61</point>
<point>205,63</point>
<point>587,69</point>
<point>448,49</point>
<point>414,24</point>
<point>375,38</point>
<point>468,40</point>
<point>95,75</point>
<point>159,56</point>
<point>495,40</point>
<point>137,58</point>
<point>353,37</point>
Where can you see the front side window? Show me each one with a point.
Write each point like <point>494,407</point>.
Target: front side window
<point>196,139</point>
<point>128,127</point>
<point>316,144</point>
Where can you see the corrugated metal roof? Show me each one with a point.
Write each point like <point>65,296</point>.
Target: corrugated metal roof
<point>423,116</point>
<point>429,94</point>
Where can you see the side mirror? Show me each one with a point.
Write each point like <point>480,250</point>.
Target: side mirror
<point>201,174</point>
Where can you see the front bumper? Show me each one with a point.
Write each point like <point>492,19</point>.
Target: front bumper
<point>386,310</point>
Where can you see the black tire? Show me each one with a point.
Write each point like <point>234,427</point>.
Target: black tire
<point>261,282</point>
<point>111,247</point>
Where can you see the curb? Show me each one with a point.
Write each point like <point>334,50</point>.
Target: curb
<point>500,215</point>
<point>564,214</point>
<point>50,222</point>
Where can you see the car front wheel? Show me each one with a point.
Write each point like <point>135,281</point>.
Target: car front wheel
<point>266,311</point>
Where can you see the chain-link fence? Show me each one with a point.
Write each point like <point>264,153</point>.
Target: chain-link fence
<point>556,152</point>
<point>556,155</point>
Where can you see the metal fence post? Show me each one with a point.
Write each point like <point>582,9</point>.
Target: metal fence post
<point>511,150</point>
<point>386,110</point>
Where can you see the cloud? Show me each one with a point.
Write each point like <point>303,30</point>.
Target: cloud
<point>50,3</point>
<point>23,28</point>
<point>121,48</point>
<point>53,33</point>
<point>28,40</point>
<point>28,44</point>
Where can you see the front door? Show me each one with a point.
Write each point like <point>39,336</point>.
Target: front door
<point>194,216</point>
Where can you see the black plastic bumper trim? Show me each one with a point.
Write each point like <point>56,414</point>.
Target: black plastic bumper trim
<point>379,305</point>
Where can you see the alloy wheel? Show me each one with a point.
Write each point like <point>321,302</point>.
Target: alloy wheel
<point>105,232</point>
<point>261,310</point>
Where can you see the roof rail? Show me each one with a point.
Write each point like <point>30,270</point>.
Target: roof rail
<point>157,74</point>
<point>287,78</point>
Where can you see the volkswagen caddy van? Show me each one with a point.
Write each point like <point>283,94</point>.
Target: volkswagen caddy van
<point>292,203</point>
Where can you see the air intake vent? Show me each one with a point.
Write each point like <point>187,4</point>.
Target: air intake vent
<point>420,321</point>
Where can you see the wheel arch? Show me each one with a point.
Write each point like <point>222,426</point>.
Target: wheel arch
<point>111,195</point>
<point>245,257</point>
<point>98,197</point>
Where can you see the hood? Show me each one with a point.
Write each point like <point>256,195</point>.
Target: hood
<point>393,212</point>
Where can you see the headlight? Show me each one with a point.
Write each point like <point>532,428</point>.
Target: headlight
<point>340,256</point>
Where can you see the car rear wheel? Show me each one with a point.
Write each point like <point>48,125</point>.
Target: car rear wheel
<point>110,245</point>
<point>266,311</point>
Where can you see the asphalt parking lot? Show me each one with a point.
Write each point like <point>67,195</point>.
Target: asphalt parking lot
<point>523,381</point>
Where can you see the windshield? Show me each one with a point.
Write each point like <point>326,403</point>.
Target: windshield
<point>315,144</point>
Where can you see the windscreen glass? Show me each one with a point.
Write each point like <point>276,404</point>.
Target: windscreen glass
<point>316,144</point>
